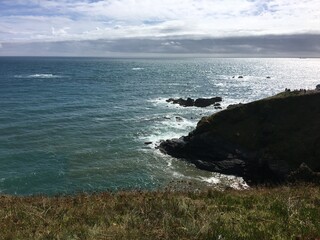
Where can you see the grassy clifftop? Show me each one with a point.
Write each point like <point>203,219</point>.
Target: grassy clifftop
<point>262,213</point>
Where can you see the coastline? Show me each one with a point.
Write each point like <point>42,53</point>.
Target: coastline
<point>72,125</point>
<point>264,141</point>
<point>183,210</point>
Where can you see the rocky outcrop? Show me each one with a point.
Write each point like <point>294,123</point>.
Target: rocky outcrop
<point>189,102</point>
<point>204,102</point>
<point>263,141</point>
<point>199,102</point>
<point>304,174</point>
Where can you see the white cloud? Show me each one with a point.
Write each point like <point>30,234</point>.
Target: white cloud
<point>171,43</point>
<point>58,20</point>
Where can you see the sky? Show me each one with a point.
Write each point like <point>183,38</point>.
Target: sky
<point>117,28</point>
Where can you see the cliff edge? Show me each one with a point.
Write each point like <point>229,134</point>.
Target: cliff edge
<point>262,141</point>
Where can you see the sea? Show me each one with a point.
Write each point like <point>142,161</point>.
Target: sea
<point>70,125</point>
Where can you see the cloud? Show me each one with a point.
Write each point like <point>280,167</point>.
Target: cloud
<point>171,43</point>
<point>303,45</point>
<point>111,27</point>
<point>33,20</point>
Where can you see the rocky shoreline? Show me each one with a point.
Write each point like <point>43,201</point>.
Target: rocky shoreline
<point>267,141</point>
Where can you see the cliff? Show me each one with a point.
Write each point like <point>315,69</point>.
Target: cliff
<point>262,141</point>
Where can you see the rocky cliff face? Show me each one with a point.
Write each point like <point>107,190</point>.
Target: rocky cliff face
<point>262,141</point>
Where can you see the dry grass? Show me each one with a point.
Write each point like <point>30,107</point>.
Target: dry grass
<point>264,213</point>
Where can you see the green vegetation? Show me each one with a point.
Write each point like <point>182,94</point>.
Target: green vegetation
<point>262,213</point>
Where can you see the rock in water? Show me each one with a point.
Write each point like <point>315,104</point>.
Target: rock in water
<point>179,119</point>
<point>263,141</point>
<point>199,102</point>
<point>205,102</point>
<point>182,102</point>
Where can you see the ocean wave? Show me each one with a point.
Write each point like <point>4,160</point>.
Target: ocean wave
<point>222,181</point>
<point>137,68</point>
<point>166,127</point>
<point>161,102</point>
<point>178,122</point>
<point>157,136</point>
<point>38,75</point>
<point>210,180</point>
<point>158,100</point>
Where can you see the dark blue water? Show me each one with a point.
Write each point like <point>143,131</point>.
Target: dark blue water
<point>79,124</point>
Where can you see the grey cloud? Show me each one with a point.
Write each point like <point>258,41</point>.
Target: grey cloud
<point>304,45</point>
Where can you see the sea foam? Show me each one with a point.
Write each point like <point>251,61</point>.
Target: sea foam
<point>137,68</point>
<point>38,75</point>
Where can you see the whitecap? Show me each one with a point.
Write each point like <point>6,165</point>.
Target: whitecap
<point>137,68</point>
<point>220,84</point>
<point>179,123</point>
<point>162,102</point>
<point>167,127</point>
<point>38,75</point>
<point>43,75</point>
<point>158,101</point>
<point>158,136</point>
<point>101,119</point>
<point>241,184</point>
<point>210,180</point>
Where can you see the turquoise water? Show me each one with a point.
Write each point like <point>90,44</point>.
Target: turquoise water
<point>79,124</point>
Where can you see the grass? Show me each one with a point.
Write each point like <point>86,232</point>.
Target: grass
<point>261,213</point>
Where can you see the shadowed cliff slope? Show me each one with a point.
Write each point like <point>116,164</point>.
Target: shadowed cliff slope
<point>262,141</point>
